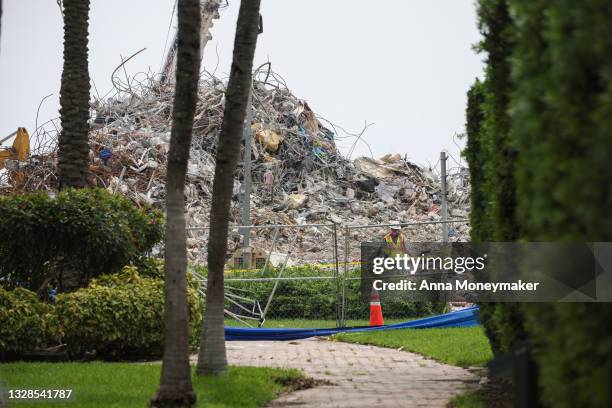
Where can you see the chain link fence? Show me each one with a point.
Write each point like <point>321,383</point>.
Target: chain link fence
<point>288,276</point>
<point>307,275</point>
<point>356,287</point>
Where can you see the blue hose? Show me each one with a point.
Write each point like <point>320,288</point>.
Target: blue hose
<point>460,318</point>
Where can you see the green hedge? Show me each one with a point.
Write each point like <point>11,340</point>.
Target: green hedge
<point>120,315</point>
<point>481,219</point>
<point>492,155</point>
<point>498,42</point>
<point>25,322</point>
<point>476,155</point>
<point>117,316</point>
<point>82,232</point>
<point>539,143</point>
<point>562,125</point>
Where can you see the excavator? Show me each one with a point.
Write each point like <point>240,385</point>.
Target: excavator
<point>19,151</point>
<point>12,157</point>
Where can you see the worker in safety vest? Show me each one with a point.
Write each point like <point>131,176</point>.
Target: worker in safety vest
<point>395,241</point>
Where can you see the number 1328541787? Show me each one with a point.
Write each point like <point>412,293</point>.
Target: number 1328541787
<point>44,394</point>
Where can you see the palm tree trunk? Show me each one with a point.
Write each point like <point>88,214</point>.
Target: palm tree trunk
<point>73,153</point>
<point>176,389</point>
<point>212,358</point>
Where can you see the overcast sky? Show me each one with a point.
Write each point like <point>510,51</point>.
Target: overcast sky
<point>404,65</point>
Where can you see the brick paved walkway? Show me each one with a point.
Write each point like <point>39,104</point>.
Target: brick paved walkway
<point>365,376</point>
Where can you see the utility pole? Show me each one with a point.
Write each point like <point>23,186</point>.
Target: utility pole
<point>443,193</point>
<point>443,157</point>
<point>245,197</point>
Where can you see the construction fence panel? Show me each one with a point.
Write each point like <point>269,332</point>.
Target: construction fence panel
<point>288,276</point>
<point>356,286</point>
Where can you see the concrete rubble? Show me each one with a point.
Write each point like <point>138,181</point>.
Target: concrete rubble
<point>299,176</point>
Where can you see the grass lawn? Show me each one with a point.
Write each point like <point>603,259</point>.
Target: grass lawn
<point>461,346</point>
<point>100,384</point>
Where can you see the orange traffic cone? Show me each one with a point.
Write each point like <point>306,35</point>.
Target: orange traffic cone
<point>376,316</point>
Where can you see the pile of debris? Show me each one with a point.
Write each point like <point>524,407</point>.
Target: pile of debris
<point>299,176</point>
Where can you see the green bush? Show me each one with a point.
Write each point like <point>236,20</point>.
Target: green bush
<point>150,267</point>
<point>476,156</point>
<point>120,315</point>
<point>540,146</point>
<point>85,232</point>
<point>496,27</point>
<point>492,156</point>
<point>25,322</point>
<point>117,316</point>
<point>562,121</point>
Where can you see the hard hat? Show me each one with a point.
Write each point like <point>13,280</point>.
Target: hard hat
<point>395,225</point>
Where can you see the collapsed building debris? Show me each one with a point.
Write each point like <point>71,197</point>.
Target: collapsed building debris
<point>299,176</point>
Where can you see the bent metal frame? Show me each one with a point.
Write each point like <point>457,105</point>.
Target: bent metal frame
<point>248,311</point>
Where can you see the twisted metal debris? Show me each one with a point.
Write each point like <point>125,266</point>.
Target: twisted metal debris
<point>299,175</point>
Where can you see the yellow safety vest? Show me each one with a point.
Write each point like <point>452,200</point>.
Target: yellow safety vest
<point>394,248</point>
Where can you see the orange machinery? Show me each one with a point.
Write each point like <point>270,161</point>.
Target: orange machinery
<point>20,150</point>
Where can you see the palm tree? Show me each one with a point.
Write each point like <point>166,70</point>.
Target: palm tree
<point>73,153</point>
<point>212,358</point>
<point>176,389</point>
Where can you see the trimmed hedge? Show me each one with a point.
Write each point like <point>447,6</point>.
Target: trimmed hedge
<point>540,143</point>
<point>562,125</point>
<point>25,322</point>
<point>116,316</point>
<point>82,232</point>
<point>476,155</point>
<point>481,220</point>
<point>120,315</point>
<point>499,163</point>
<point>492,154</point>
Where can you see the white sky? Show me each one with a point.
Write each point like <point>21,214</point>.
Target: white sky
<point>404,65</point>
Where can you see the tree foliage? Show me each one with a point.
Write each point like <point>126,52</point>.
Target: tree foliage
<point>562,125</point>
<point>120,315</point>
<point>539,147</point>
<point>25,322</point>
<point>492,156</point>
<point>91,231</point>
<point>117,316</point>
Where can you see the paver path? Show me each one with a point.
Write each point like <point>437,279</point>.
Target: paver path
<point>364,376</point>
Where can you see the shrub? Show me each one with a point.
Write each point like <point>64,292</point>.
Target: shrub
<point>562,119</point>
<point>25,322</point>
<point>492,157</point>
<point>153,268</point>
<point>120,315</point>
<point>544,149</point>
<point>150,267</point>
<point>87,232</point>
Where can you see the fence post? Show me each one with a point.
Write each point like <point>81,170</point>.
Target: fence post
<point>346,272</point>
<point>443,194</point>
<point>245,205</point>
<point>337,265</point>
